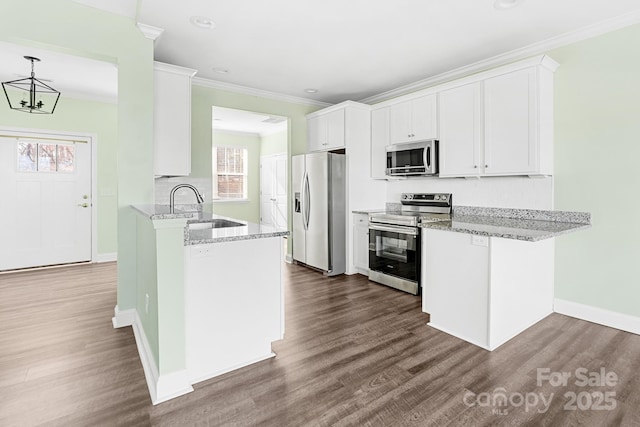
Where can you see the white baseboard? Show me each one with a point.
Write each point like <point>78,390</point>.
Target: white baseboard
<point>161,387</point>
<point>110,257</point>
<point>123,318</point>
<point>233,368</point>
<point>597,315</point>
<point>288,259</point>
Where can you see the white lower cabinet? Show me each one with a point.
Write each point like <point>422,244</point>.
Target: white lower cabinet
<point>485,290</point>
<point>361,243</point>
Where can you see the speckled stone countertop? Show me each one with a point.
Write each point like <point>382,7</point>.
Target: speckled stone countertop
<point>520,224</point>
<point>195,214</point>
<point>154,212</point>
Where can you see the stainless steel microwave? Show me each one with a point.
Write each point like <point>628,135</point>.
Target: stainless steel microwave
<point>413,159</point>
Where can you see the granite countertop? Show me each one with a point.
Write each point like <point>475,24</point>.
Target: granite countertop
<point>520,224</point>
<point>367,212</point>
<point>154,212</point>
<point>195,214</point>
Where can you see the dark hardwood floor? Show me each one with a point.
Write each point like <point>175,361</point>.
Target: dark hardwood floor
<point>355,354</point>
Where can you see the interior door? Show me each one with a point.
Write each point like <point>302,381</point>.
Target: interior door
<point>45,188</point>
<point>267,192</point>
<point>273,191</point>
<point>280,193</point>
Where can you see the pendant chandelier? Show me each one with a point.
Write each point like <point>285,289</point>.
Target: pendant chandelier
<point>30,95</point>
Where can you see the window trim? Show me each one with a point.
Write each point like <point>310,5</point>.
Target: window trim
<point>245,182</point>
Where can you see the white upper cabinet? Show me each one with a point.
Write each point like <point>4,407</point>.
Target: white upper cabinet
<point>461,131</point>
<point>511,122</point>
<point>501,125</point>
<point>326,131</point>
<point>172,120</point>
<point>413,120</point>
<point>379,141</point>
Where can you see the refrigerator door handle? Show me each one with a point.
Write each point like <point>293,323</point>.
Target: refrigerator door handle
<point>307,202</point>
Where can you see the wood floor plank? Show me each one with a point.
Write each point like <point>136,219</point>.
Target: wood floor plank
<point>355,353</point>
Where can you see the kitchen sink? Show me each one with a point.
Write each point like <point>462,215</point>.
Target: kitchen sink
<point>214,223</point>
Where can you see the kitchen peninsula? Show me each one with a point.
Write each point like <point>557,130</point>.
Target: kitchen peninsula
<point>203,307</point>
<point>488,274</point>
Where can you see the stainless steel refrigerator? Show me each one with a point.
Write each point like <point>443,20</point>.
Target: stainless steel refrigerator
<point>319,211</point>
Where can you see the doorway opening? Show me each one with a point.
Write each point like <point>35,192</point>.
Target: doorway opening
<point>250,166</point>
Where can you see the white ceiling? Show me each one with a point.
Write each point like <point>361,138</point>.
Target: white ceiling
<point>228,119</point>
<point>347,49</point>
<point>353,49</point>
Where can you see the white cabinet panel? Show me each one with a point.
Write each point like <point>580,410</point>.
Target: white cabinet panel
<point>172,120</point>
<point>499,126</point>
<point>461,131</point>
<point>511,123</point>
<point>326,131</point>
<point>361,242</point>
<point>379,141</point>
<point>413,120</point>
<point>456,285</point>
<point>485,293</point>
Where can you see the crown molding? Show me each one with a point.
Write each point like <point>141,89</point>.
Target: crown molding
<point>511,56</point>
<point>150,31</point>
<point>216,84</point>
<point>175,69</point>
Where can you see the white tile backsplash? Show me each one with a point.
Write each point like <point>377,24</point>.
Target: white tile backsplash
<point>497,192</point>
<point>164,185</point>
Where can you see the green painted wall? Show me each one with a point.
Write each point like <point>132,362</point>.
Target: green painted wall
<point>147,278</point>
<point>246,210</point>
<point>597,147</point>
<point>72,28</point>
<point>274,144</point>
<point>101,119</point>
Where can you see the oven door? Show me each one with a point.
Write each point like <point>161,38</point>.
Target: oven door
<point>394,256</point>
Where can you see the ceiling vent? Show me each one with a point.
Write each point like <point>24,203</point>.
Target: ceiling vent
<point>274,120</point>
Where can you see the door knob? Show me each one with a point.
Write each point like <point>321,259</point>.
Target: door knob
<point>85,196</point>
<point>83,205</point>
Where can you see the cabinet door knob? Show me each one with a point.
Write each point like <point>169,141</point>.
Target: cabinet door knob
<point>475,166</point>
<point>486,166</point>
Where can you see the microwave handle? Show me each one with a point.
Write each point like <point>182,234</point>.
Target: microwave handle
<point>427,157</point>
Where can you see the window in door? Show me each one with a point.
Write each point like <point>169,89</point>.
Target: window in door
<point>45,157</point>
<point>230,173</point>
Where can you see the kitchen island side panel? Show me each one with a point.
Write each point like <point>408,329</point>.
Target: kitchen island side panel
<point>234,304</point>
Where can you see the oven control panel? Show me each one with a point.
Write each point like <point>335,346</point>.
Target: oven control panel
<point>426,197</point>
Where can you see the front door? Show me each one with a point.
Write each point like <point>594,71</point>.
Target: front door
<point>45,192</point>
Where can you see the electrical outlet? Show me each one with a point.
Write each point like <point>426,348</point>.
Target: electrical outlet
<point>146,303</point>
<point>480,240</point>
<point>201,251</point>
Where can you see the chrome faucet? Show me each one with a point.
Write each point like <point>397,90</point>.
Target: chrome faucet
<point>172,195</point>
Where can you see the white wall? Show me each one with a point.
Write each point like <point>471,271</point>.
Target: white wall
<point>498,192</point>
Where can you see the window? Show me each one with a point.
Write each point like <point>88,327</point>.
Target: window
<point>45,157</point>
<point>230,173</point>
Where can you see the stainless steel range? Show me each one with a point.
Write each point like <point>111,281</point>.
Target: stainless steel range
<point>394,239</point>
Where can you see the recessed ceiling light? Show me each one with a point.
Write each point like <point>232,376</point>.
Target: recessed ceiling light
<point>311,90</point>
<point>220,70</point>
<point>506,4</point>
<point>202,22</point>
